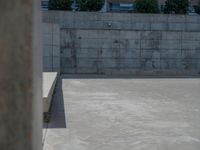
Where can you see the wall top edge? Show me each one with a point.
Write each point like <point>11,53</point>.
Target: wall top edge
<point>118,13</point>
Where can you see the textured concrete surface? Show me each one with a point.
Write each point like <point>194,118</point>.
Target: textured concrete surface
<point>49,82</point>
<point>124,114</point>
<point>51,47</point>
<point>122,43</point>
<point>20,75</point>
<point>126,21</point>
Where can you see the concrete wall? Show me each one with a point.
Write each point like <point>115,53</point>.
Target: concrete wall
<point>119,43</point>
<point>51,47</point>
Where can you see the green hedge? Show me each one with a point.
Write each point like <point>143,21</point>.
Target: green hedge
<point>197,8</point>
<point>90,5</point>
<point>60,4</point>
<point>147,6</point>
<point>176,6</point>
<point>85,5</point>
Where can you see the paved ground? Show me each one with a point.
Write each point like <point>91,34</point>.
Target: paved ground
<point>125,114</point>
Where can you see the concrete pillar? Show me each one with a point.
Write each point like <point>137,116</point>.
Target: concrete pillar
<point>105,6</point>
<point>20,75</point>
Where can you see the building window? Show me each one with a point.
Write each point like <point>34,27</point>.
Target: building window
<point>121,7</point>
<point>44,5</point>
<point>162,7</point>
<point>126,7</point>
<point>114,6</point>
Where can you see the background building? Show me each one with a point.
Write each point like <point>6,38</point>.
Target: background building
<point>121,5</point>
<point>44,4</point>
<point>128,5</point>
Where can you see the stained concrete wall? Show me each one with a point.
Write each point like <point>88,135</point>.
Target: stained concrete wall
<point>51,47</point>
<point>125,43</point>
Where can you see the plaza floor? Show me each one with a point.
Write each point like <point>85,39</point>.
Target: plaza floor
<point>97,113</point>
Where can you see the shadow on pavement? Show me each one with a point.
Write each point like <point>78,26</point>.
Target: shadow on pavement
<point>57,110</point>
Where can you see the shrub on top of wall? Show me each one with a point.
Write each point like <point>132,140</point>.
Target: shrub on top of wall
<point>197,8</point>
<point>90,5</point>
<point>176,6</point>
<point>60,4</point>
<point>147,6</point>
<point>84,5</point>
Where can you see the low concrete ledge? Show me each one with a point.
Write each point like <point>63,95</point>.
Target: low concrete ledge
<point>49,82</point>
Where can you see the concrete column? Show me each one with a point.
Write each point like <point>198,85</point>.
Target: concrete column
<point>20,75</point>
<point>105,7</point>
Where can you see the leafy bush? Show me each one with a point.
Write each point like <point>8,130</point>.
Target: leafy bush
<point>176,6</point>
<point>60,4</point>
<point>90,5</point>
<point>197,8</point>
<point>147,6</point>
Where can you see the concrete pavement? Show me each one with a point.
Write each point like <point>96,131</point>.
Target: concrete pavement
<point>124,114</point>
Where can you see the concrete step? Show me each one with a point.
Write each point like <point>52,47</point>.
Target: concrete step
<point>49,82</point>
